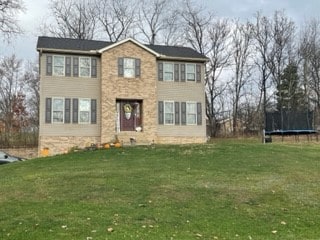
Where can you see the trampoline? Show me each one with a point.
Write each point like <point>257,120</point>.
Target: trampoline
<point>288,123</point>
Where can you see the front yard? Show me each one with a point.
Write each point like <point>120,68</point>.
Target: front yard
<point>224,190</point>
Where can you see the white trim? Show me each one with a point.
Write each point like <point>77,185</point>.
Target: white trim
<point>129,40</point>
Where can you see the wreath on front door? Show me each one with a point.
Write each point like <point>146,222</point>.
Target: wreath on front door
<point>127,108</point>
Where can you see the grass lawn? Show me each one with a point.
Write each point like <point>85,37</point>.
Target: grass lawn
<point>224,190</point>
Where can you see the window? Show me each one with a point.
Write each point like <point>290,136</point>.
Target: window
<point>179,113</point>
<point>84,66</point>
<point>169,113</point>
<point>191,72</point>
<point>128,67</point>
<point>57,110</point>
<point>84,110</point>
<point>168,71</point>
<point>58,65</point>
<point>191,113</point>
<point>60,110</point>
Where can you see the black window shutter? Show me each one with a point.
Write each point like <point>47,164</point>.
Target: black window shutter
<point>183,113</point>
<point>183,72</point>
<point>68,67</point>
<point>75,103</point>
<point>137,67</point>
<point>176,72</point>
<point>120,67</point>
<point>48,110</point>
<point>75,66</point>
<point>198,73</point>
<point>93,67</point>
<point>160,71</point>
<point>177,113</point>
<point>67,110</point>
<point>160,112</point>
<point>93,111</point>
<point>199,113</point>
<point>49,65</point>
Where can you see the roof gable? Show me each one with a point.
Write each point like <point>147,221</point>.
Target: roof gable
<point>129,40</point>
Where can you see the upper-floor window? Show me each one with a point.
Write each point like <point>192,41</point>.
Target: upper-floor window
<point>58,65</point>
<point>179,72</point>
<point>191,72</point>
<point>57,110</point>
<point>168,71</point>
<point>129,67</point>
<point>84,66</point>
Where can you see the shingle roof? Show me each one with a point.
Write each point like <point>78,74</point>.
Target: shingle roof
<point>52,43</point>
<point>70,44</point>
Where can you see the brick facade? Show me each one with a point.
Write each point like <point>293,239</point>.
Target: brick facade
<point>63,144</point>
<point>142,88</point>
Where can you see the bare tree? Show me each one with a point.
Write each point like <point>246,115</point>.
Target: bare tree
<point>219,56</point>
<point>11,93</point>
<point>263,42</point>
<point>116,18</point>
<point>153,18</point>
<point>309,51</point>
<point>9,9</point>
<point>32,80</point>
<point>172,34</point>
<point>196,23</point>
<point>241,44</point>
<point>72,19</point>
<point>282,34</point>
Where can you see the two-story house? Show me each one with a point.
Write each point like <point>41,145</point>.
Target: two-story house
<point>95,91</point>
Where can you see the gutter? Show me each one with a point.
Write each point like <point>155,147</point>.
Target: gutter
<point>75,52</point>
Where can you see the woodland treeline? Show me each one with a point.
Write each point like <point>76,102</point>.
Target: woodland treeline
<point>264,63</point>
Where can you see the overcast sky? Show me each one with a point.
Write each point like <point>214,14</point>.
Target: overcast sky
<point>37,10</point>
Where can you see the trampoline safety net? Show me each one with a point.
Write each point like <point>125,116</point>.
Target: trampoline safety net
<point>289,121</point>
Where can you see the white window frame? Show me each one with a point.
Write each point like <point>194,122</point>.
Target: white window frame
<point>132,68</point>
<point>81,67</point>
<point>54,65</point>
<point>53,110</point>
<point>165,71</point>
<point>171,113</point>
<point>188,113</point>
<point>80,110</point>
<point>194,72</point>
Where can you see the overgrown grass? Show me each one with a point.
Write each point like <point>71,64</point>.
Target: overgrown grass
<point>224,190</point>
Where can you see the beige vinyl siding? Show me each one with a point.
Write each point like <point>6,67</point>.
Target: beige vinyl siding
<point>68,87</point>
<point>182,92</point>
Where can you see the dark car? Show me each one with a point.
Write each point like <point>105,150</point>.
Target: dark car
<point>6,158</point>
